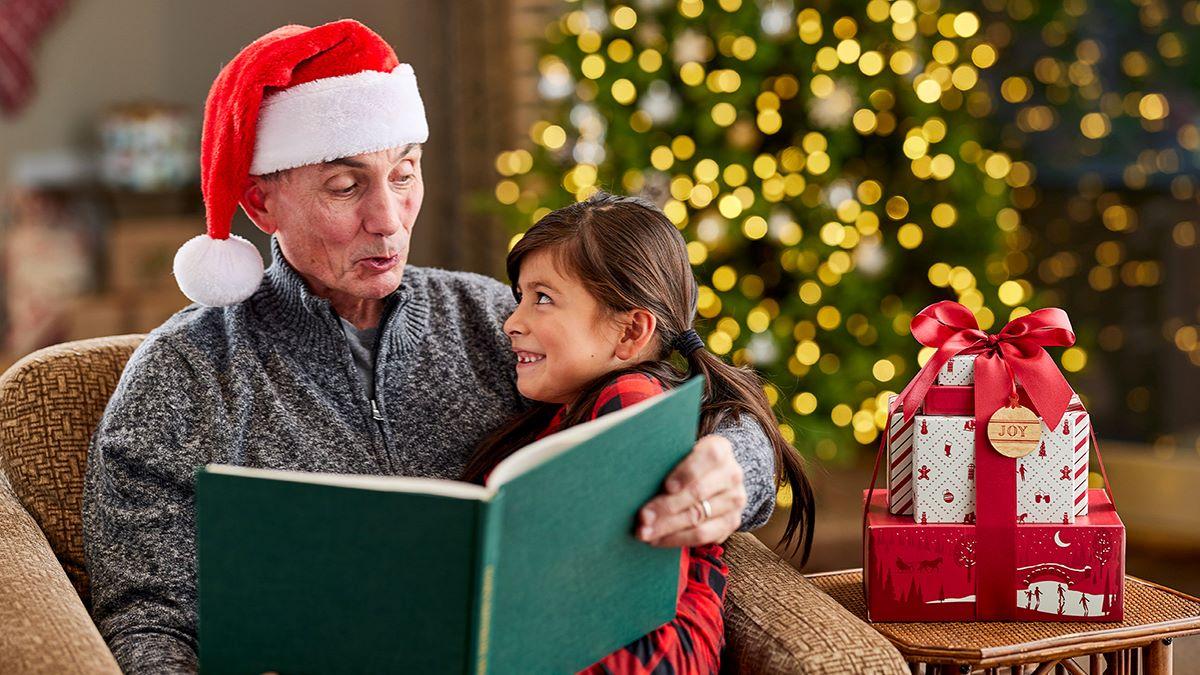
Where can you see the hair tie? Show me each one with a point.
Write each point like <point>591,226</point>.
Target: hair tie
<point>687,342</point>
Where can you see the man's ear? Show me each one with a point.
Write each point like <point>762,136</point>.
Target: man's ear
<point>254,203</point>
<point>637,332</point>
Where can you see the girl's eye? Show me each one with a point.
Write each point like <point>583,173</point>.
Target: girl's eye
<point>540,297</point>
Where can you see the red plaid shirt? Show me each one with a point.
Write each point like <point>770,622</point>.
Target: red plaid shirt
<point>691,643</point>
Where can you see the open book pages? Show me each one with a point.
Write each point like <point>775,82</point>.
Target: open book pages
<point>538,453</point>
<point>522,461</point>
<point>432,486</point>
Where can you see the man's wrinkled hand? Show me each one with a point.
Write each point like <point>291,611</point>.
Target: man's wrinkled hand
<point>676,517</point>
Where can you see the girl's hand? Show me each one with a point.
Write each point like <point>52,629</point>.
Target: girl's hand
<point>676,517</point>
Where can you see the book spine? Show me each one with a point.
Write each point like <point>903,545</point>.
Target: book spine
<point>488,547</point>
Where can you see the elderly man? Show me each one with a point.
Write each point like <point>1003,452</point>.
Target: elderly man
<point>340,358</point>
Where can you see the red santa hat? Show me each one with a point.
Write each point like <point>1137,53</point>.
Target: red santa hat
<point>293,97</point>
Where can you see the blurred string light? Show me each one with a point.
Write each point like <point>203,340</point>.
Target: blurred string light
<point>824,205</point>
<point>1106,118</point>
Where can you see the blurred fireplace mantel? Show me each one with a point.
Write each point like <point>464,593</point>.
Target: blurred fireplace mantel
<point>1157,494</point>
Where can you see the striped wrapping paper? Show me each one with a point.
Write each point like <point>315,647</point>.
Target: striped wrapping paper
<point>899,463</point>
<point>1083,443</point>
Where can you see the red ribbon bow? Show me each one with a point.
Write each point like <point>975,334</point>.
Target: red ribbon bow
<point>1017,351</point>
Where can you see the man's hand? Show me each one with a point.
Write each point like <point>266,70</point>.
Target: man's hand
<point>676,517</point>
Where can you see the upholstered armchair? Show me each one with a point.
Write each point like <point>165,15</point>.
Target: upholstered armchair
<point>52,400</point>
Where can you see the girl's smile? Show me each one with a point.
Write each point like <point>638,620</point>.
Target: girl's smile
<point>528,358</point>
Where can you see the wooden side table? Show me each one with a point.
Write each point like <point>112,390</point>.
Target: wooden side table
<point>1154,615</point>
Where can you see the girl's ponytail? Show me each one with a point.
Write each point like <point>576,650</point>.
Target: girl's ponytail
<point>732,391</point>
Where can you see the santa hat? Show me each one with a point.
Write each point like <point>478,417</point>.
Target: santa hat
<point>293,97</point>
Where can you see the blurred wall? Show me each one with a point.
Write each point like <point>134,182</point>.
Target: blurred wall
<point>107,51</point>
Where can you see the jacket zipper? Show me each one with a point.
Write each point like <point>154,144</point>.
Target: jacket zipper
<point>376,414</point>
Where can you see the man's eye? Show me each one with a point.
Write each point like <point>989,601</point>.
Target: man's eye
<point>346,191</point>
<point>405,179</point>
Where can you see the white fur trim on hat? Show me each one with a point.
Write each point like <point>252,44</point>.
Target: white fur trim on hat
<point>339,117</point>
<point>218,272</point>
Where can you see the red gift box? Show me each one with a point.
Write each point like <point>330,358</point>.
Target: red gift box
<point>950,400</point>
<point>1062,573</point>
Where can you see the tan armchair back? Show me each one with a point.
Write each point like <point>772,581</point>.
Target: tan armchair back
<point>50,403</point>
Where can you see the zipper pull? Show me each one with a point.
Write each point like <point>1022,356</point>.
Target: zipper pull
<point>375,412</point>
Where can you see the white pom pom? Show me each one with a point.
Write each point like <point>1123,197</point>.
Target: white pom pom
<point>218,272</point>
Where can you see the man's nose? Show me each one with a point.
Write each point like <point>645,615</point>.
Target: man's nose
<point>382,212</point>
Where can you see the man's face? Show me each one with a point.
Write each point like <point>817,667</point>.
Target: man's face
<point>345,225</point>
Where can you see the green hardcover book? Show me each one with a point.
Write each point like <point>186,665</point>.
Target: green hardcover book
<point>536,572</point>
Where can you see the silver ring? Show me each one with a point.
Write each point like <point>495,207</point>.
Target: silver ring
<point>707,508</point>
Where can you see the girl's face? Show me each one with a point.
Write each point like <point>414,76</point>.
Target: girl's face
<point>563,337</point>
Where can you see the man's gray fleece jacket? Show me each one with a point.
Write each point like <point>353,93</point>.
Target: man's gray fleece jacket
<point>271,383</point>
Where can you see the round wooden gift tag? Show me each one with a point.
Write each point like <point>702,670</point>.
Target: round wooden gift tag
<point>1014,432</point>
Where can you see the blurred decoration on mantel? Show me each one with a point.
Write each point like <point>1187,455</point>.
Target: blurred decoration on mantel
<point>835,166</point>
<point>24,22</point>
<point>89,240</point>
<point>148,148</point>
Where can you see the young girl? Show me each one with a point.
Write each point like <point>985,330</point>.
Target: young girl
<point>605,294</point>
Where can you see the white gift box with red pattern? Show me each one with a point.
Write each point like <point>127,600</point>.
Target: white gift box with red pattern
<point>1083,438</point>
<point>943,469</point>
<point>1051,481</point>
<point>1081,445</point>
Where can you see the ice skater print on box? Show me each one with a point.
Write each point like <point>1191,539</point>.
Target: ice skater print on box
<point>943,469</point>
<point>1051,588</point>
<point>1062,572</point>
<point>899,462</point>
<point>959,370</point>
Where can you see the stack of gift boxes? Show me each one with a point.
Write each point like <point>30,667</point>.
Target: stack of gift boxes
<point>921,540</point>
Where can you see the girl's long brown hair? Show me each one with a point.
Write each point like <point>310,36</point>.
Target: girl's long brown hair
<point>628,255</point>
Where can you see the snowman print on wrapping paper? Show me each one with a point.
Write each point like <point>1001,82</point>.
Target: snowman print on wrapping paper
<point>1044,478</point>
<point>945,461</point>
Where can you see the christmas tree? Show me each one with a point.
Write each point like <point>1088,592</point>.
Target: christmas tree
<point>833,169</point>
